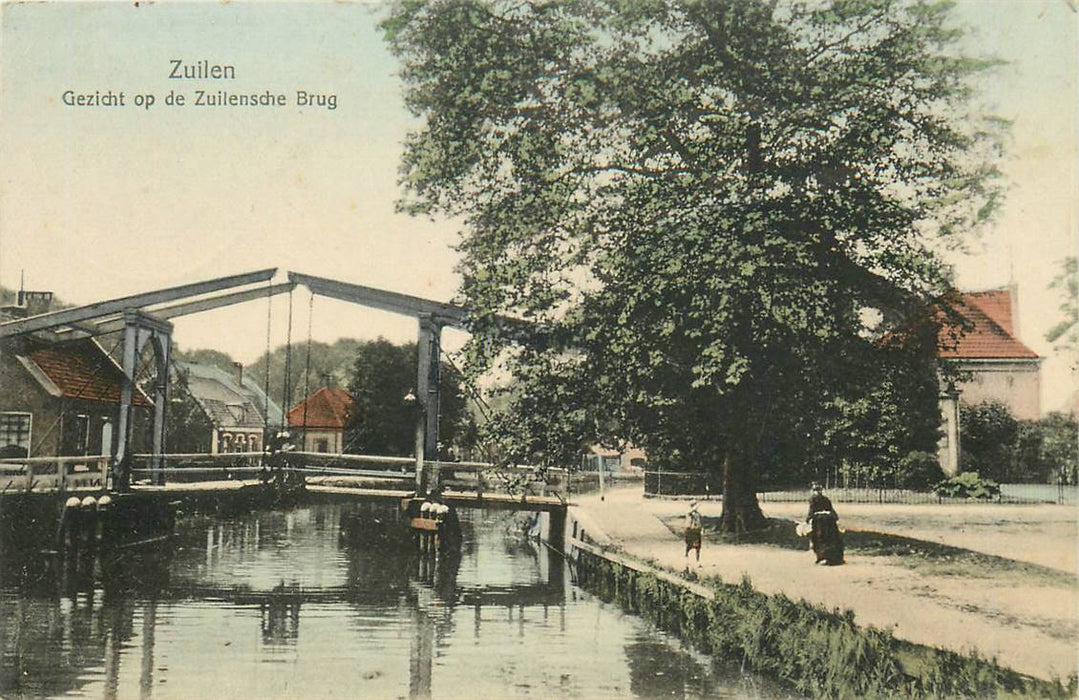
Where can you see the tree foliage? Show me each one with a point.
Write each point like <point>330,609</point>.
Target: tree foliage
<point>1066,333</point>
<point>988,432</point>
<point>998,446</point>
<point>690,201</point>
<point>331,366</point>
<point>382,421</point>
<point>205,356</point>
<point>188,430</point>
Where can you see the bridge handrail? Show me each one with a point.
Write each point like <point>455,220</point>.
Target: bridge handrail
<point>409,461</point>
<point>81,459</point>
<point>365,459</point>
<point>194,456</point>
<point>196,470</point>
<point>351,458</point>
<point>379,474</point>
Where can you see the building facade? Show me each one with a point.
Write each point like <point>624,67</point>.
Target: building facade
<point>993,362</point>
<point>238,410</point>
<point>320,420</point>
<point>61,399</point>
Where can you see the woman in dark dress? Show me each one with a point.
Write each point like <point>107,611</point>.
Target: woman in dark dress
<point>825,539</point>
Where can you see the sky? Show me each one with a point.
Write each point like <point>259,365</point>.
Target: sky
<point>100,202</point>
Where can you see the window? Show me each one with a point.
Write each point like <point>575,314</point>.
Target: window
<point>322,445</point>
<point>76,435</point>
<point>15,434</point>
<point>237,411</point>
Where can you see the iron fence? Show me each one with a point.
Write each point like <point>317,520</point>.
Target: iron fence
<point>705,486</point>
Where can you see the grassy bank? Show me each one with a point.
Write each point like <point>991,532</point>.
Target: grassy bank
<point>821,653</point>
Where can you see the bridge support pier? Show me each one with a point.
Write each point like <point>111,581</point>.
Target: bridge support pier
<point>556,528</point>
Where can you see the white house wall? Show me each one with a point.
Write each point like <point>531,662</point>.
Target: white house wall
<point>1016,384</point>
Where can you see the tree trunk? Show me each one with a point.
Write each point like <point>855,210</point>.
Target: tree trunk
<point>741,511</point>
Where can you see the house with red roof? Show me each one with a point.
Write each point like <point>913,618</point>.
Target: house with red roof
<point>60,398</point>
<point>321,418</point>
<point>984,345</point>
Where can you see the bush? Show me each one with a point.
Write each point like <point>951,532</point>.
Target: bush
<point>919,471</point>
<point>989,435</point>
<point>968,485</point>
<point>1058,451</point>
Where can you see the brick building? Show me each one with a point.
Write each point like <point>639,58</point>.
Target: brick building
<point>61,399</point>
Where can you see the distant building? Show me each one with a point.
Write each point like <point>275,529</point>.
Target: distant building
<point>236,406</point>
<point>1000,367</point>
<point>321,418</point>
<point>631,459</point>
<point>60,398</point>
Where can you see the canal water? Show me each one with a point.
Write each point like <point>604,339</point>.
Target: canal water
<point>327,600</point>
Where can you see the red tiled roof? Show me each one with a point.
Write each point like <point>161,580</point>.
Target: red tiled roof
<point>996,304</point>
<point>990,332</point>
<point>326,408</point>
<point>82,370</point>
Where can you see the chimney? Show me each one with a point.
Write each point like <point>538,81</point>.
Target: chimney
<point>238,369</point>
<point>1013,298</point>
<point>35,302</point>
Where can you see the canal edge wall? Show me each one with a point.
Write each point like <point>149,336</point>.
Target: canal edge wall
<point>821,653</point>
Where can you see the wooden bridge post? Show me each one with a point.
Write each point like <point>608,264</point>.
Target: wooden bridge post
<point>429,346</point>
<point>140,328</point>
<point>118,479</point>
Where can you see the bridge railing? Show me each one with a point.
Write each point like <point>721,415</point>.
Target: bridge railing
<point>466,476</point>
<point>200,466</point>
<point>53,473</point>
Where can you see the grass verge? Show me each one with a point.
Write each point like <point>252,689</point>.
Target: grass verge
<point>821,653</point>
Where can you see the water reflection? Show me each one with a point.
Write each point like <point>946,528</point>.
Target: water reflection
<point>325,600</point>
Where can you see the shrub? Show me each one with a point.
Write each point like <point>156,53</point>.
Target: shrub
<point>967,485</point>
<point>989,434</point>
<point>919,470</point>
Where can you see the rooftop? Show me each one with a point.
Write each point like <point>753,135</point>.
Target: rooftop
<point>226,401</point>
<point>326,408</point>
<point>79,369</point>
<point>991,332</point>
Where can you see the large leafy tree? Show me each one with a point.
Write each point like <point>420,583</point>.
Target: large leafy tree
<point>382,421</point>
<point>691,201</point>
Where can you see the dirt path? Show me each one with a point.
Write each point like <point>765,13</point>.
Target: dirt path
<point>1039,534</point>
<point>1025,616</point>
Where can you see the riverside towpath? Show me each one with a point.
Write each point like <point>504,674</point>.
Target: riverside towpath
<point>1028,623</point>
